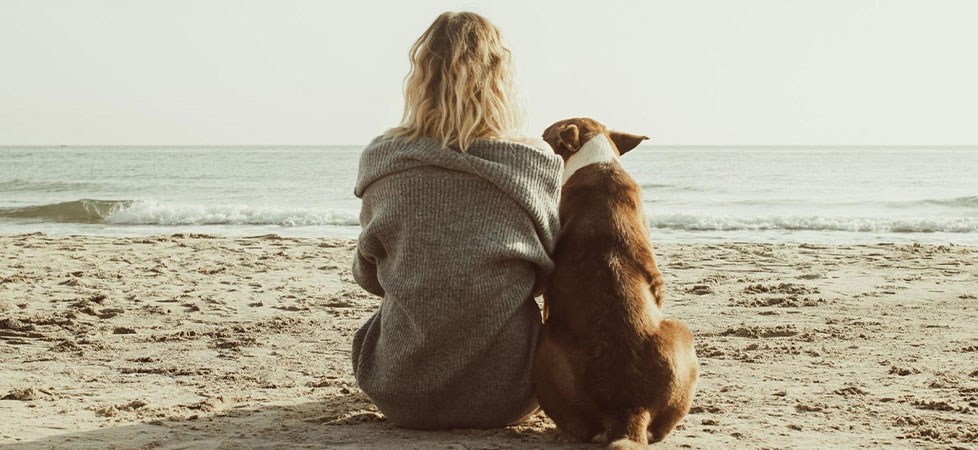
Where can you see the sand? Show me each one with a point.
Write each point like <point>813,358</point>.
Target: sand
<point>216,342</point>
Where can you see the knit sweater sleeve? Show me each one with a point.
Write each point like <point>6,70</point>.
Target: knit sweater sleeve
<point>365,260</point>
<point>550,233</point>
<point>365,274</point>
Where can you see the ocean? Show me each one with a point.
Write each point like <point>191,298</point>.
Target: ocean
<point>814,195</point>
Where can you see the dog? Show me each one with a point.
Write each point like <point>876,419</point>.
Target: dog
<point>607,360</point>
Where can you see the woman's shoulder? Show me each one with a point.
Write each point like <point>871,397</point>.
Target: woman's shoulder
<point>531,149</point>
<point>518,149</point>
<point>530,141</point>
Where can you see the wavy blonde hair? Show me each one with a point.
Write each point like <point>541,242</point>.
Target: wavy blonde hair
<point>460,87</point>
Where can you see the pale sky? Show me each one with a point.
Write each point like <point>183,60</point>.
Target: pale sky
<point>684,72</point>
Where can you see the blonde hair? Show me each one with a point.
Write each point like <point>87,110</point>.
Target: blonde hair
<point>460,87</point>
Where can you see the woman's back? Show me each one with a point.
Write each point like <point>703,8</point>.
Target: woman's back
<point>457,244</point>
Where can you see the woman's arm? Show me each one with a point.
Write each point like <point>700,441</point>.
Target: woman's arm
<point>365,274</point>
<point>551,195</point>
<point>365,260</point>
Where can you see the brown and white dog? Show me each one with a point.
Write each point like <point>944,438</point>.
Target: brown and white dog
<point>607,360</point>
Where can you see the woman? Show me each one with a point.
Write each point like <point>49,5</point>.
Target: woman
<point>459,223</point>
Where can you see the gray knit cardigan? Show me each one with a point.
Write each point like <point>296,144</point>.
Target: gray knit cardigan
<point>457,244</point>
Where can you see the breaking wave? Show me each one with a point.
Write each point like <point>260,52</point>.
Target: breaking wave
<point>78,211</point>
<point>964,202</point>
<point>151,212</point>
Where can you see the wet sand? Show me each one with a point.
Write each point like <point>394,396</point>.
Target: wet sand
<point>215,342</point>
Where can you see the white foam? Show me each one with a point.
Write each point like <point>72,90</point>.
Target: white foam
<point>816,223</point>
<point>151,212</point>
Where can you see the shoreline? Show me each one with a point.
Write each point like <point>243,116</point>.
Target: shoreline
<point>162,341</point>
<point>660,236</point>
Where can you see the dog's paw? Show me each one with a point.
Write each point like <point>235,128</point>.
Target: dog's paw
<point>625,444</point>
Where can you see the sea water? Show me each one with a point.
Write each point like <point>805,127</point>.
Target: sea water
<point>691,194</point>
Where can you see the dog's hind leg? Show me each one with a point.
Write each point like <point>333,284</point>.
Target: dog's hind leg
<point>628,429</point>
<point>676,340</point>
<point>664,422</point>
<point>558,395</point>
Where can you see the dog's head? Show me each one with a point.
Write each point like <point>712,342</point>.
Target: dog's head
<point>568,136</point>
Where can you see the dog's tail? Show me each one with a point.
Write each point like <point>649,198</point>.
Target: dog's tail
<point>629,430</point>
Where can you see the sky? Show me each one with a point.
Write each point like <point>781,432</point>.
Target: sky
<point>683,72</point>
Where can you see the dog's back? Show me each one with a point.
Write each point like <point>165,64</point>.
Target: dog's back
<point>608,361</point>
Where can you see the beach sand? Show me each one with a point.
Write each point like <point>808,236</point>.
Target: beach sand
<point>207,342</point>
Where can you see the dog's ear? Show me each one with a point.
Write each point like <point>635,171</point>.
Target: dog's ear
<point>625,141</point>
<point>570,137</point>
